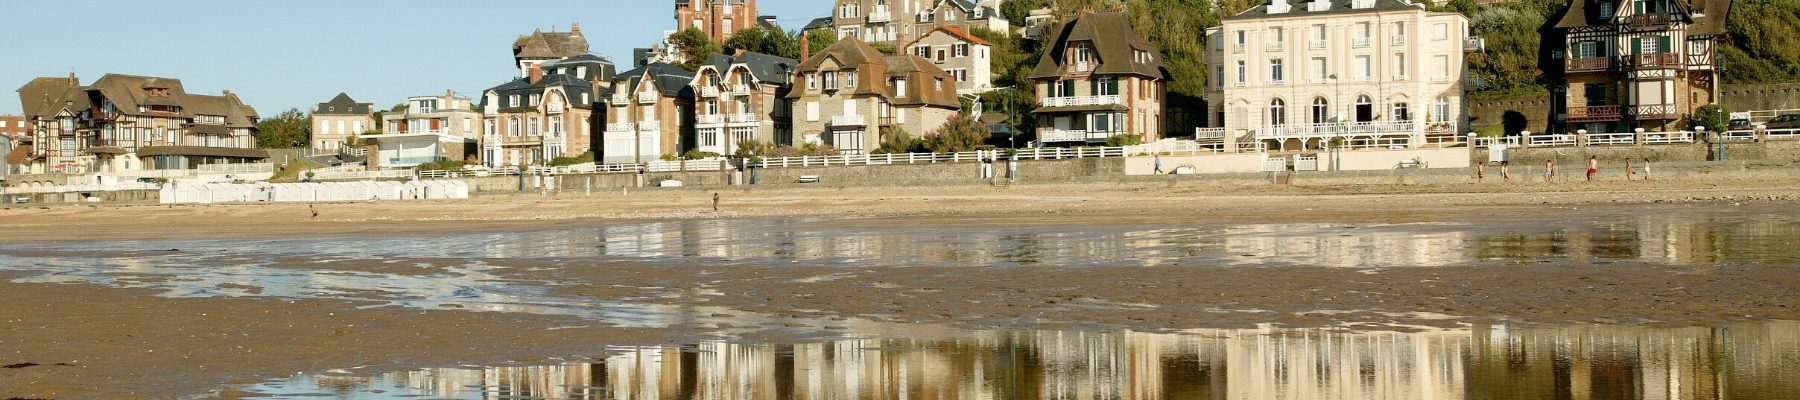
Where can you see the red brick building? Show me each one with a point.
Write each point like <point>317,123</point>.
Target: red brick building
<point>718,18</point>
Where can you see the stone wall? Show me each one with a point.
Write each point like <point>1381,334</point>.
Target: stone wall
<point>1066,170</point>
<point>1762,97</point>
<point>1771,151</point>
<point>117,196</point>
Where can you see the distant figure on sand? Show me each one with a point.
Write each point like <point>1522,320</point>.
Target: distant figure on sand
<point>715,201</point>
<point>1158,164</point>
<point>1549,170</point>
<point>1646,168</point>
<point>315,212</point>
<point>1593,167</point>
<point>1504,177</point>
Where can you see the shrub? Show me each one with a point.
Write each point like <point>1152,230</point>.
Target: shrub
<point>958,134</point>
<point>696,154</point>
<point>818,149</point>
<point>899,141</point>
<point>443,165</point>
<point>1124,140</point>
<point>583,158</point>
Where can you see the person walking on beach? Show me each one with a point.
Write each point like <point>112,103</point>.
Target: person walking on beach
<point>715,201</point>
<point>1504,177</point>
<point>1480,171</point>
<point>1593,167</point>
<point>315,212</point>
<point>1549,170</point>
<point>1158,164</point>
<point>1628,170</point>
<point>1646,168</point>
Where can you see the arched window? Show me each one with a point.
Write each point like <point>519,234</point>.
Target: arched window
<point>1321,110</point>
<point>1277,113</point>
<point>1401,113</point>
<point>1440,111</point>
<point>1365,108</point>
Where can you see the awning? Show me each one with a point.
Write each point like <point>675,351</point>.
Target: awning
<point>201,151</point>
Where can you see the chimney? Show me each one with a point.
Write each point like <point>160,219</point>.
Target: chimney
<point>73,81</point>
<point>805,47</point>
<point>537,73</point>
<point>575,29</point>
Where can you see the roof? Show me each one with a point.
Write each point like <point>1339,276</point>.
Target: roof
<point>669,79</point>
<point>1113,38</point>
<point>43,97</point>
<point>817,23</point>
<point>768,22</point>
<point>343,105</point>
<point>226,106</point>
<point>955,32</point>
<point>901,65</point>
<point>848,51</point>
<point>128,92</point>
<point>549,45</point>
<point>1299,8</point>
<point>1711,20</point>
<point>571,86</point>
<point>763,67</point>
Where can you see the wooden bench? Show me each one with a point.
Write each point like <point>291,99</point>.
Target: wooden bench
<point>807,179</point>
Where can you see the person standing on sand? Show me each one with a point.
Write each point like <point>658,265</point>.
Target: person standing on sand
<point>1593,167</point>
<point>1646,168</point>
<point>1549,170</point>
<point>1504,177</point>
<point>715,201</point>
<point>1480,171</point>
<point>1628,170</point>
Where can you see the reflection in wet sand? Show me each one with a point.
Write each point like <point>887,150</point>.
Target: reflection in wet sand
<point>1750,361</point>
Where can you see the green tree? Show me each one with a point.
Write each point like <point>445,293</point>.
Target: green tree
<point>287,130</point>
<point>1763,47</point>
<point>818,39</point>
<point>694,46</point>
<point>766,41</point>
<point>958,134</point>
<point>1509,65</point>
<point>1712,116</point>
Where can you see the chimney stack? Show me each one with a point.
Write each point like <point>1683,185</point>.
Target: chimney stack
<point>73,81</point>
<point>537,73</point>
<point>575,29</point>
<point>805,47</point>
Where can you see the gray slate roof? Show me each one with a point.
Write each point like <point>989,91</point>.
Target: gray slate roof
<point>763,67</point>
<point>343,105</point>
<point>1298,8</point>
<point>669,79</point>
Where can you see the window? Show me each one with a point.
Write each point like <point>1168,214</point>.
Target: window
<point>1399,66</point>
<point>1318,40</point>
<point>940,84</point>
<point>512,127</point>
<point>1242,73</point>
<point>1606,10</point>
<point>534,100</point>
<point>923,51</point>
<point>1218,77</point>
<point>536,127</point>
<point>1102,122</point>
<point>1363,68</point>
<point>1362,34</point>
<point>960,50</point>
<point>1399,32</point>
<point>1440,31</point>
<point>581,71</point>
<point>941,54</point>
<point>1241,39</point>
<point>1275,71</point>
<point>812,81</point>
<point>487,128</point>
<point>727,27</point>
<point>831,80</point>
<point>1651,44</point>
<point>1320,71</point>
<point>1106,87</point>
<point>1401,113</point>
<point>1277,36</point>
<point>1441,109</point>
<point>1082,58</point>
<point>712,107</point>
<point>850,80</point>
<point>1365,108</point>
<point>900,87</point>
<point>1321,111</point>
<point>512,101</point>
<point>1595,94</point>
<point>1277,112</point>
<point>961,75</point>
<point>1587,49</point>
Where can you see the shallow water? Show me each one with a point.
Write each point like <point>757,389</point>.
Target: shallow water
<point>1746,361</point>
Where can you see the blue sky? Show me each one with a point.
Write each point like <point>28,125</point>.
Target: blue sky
<point>291,54</point>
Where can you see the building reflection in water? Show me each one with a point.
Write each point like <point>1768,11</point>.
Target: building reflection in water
<point>1751,361</point>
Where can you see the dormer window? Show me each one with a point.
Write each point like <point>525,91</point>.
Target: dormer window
<point>830,81</point>
<point>1081,56</point>
<point>1606,10</point>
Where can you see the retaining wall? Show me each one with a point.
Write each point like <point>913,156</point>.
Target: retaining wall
<point>115,196</point>
<point>1772,151</point>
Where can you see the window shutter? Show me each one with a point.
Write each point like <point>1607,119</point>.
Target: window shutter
<point>1637,47</point>
<point>1663,45</point>
<point>1113,87</point>
<point>1093,87</point>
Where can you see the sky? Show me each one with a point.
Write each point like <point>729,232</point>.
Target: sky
<point>278,55</point>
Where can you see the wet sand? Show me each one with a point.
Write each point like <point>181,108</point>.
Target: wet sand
<point>130,343</point>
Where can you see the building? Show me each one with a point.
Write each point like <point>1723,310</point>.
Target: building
<point>431,128</point>
<point>540,47</point>
<point>1372,73</point>
<point>549,111</point>
<point>13,126</point>
<point>405,150</point>
<point>964,56</point>
<point>1098,79</point>
<point>895,21</point>
<point>337,122</point>
<point>16,147</point>
<point>649,114</point>
<point>1617,66</point>
<point>854,95</point>
<point>1038,23</point>
<point>742,98</point>
<point>718,18</point>
<point>126,122</point>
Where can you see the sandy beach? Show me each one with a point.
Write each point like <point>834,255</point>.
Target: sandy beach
<point>82,340</point>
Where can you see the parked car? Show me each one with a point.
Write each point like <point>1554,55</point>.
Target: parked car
<point>1740,124</point>
<point>1788,121</point>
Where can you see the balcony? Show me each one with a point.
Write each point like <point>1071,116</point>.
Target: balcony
<point>649,126</point>
<point>1594,113</point>
<point>1359,42</point>
<point>709,119</point>
<point>740,90</point>
<point>1317,44</point>
<point>621,127</point>
<point>1474,44</point>
<point>621,99</point>
<point>1274,46</point>
<point>1652,112</point>
<point>1399,40</point>
<point>741,118</point>
<point>849,120</point>
<point>1080,101</point>
<point>880,14</point>
<point>647,98</point>
<point>1653,61</point>
<point>1053,135</point>
<point>1649,21</point>
<point>1587,64</point>
<point>709,91</point>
